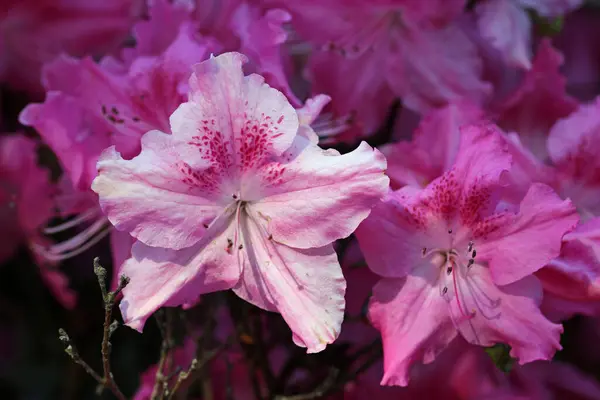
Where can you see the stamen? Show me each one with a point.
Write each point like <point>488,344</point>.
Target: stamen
<point>55,253</point>
<point>83,217</point>
<point>457,295</point>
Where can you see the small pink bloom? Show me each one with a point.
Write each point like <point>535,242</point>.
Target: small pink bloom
<point>387,49</point>
<point>453,262</point>
<point>236,199</point>
<point>26,205</point>
<point>573,145</point>
<point>538,102</point>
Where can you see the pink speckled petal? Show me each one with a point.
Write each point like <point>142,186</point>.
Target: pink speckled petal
<point>413,320</point>
<point>305,285</point>
<point>518,245</point>
<point>238,119</point>
<point>158,196</point>
<point>319,196</point>
<point>392,238</point>
<point>163,277</point>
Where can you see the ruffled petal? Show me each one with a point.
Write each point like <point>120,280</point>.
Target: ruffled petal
<point>305,285</point>
<point>413,320</point>
<point>319,196</point>
<point>517,245</point>
<point>508,314</point>
<point>157,196</point>
<point>163,277</point>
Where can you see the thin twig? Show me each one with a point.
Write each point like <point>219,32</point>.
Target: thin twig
<point>165,353</point>
<point>71,350</point>
<point>108,380</point>
<point>182,377</point>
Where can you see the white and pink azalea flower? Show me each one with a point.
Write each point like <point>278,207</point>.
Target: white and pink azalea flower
<point>236,199</point>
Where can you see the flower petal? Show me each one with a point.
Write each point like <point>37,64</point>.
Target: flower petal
<point>164,277</point>
<point>538,102</point>
<point>318,196</point>
<point>413,320</point>
<point>574,276</point>
<point>157,196</point>
<point>508,314</point>
<point>305,285</point>
<point>518,245</point>
<point>431,67</point>
<point>394,235</point>
<point>235,117</point>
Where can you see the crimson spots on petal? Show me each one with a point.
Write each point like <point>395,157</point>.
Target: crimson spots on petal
<point>474,202</point>
<point>446,196</point>
<point>491,224</point>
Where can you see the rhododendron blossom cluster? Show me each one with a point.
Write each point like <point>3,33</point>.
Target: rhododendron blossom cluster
<point>303,199</point>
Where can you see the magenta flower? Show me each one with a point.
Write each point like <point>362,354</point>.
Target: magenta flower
<point>26,205</point>
<point>235,198</point>
<point>537,102</point>
<point>387,49</point>
<point>454,261</point>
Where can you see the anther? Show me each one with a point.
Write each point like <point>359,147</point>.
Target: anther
<point>449,230</point>
<point>270,237</point>
<point>449,270</point>
<point>234,196</point>
<point>424,250</point>
<point>444,290</point>
<point>470,247</point>
<point>241,246</point>
<point>205,226</point>
<point>474,253</point>
<point>470,263</point>
<point>229,243</point>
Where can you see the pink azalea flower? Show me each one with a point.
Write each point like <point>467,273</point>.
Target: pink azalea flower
<point>25,207</point>
<point>91,106</point>
<point>573,147</point>
<point>388,47</point>
<point>236,199</point>
<point>538,102</point>
<point>36,31</point>
<point>453,262</point>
